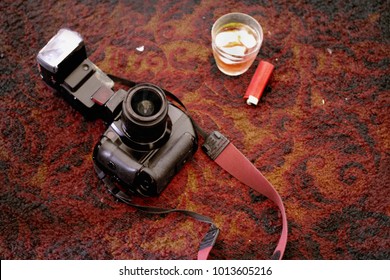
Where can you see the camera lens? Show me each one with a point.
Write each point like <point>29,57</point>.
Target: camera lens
<point>145,117</point>
<point>146,102</point>
<point>145,108</point>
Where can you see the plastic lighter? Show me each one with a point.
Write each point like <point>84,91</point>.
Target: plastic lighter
<point>258,82</point>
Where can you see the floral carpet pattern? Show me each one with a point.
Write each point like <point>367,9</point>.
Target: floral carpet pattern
<point>320,133</point>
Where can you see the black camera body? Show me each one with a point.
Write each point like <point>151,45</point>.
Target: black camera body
<point>142,149</point>
<point>148,139</point>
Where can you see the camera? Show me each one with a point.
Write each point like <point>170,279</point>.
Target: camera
<point>148,138</point>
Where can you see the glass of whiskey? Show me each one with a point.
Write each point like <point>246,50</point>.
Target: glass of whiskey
<point>236,41</point>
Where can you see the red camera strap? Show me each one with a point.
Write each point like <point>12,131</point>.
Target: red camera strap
<point>227,156</point>
<point>235,163</point>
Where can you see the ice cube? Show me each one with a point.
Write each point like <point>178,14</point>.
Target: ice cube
<point>225,38</point>
<point>236,50</point>
<point>247,39</point>
<point>227,60</point>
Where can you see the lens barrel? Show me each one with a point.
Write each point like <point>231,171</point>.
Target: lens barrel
<point>145,117</point>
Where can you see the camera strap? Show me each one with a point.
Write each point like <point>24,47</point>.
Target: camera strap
<point>208,240</point>
<point>228,157</point>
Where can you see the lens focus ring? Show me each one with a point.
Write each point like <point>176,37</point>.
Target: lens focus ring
<point>145,113</point>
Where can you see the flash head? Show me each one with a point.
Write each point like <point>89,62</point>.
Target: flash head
<point>61,55</point>
<point>58,48</point>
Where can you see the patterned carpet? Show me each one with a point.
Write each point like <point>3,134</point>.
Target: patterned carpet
<point>320,133</point>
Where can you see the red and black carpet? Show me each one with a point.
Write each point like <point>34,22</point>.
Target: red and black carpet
<point>320,133</point>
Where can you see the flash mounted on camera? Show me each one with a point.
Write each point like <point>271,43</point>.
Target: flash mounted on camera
<point>148,139</point>
<point>64,65</point>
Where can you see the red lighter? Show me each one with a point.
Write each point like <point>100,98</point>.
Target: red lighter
<point>258,82</point>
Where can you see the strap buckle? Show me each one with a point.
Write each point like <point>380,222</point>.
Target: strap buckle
<point>214,144</point>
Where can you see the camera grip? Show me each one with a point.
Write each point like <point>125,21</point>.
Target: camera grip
<point>115,161</point>
<point>169,160</point>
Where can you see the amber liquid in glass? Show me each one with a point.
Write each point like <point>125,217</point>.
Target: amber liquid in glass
<point>235,47</point>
